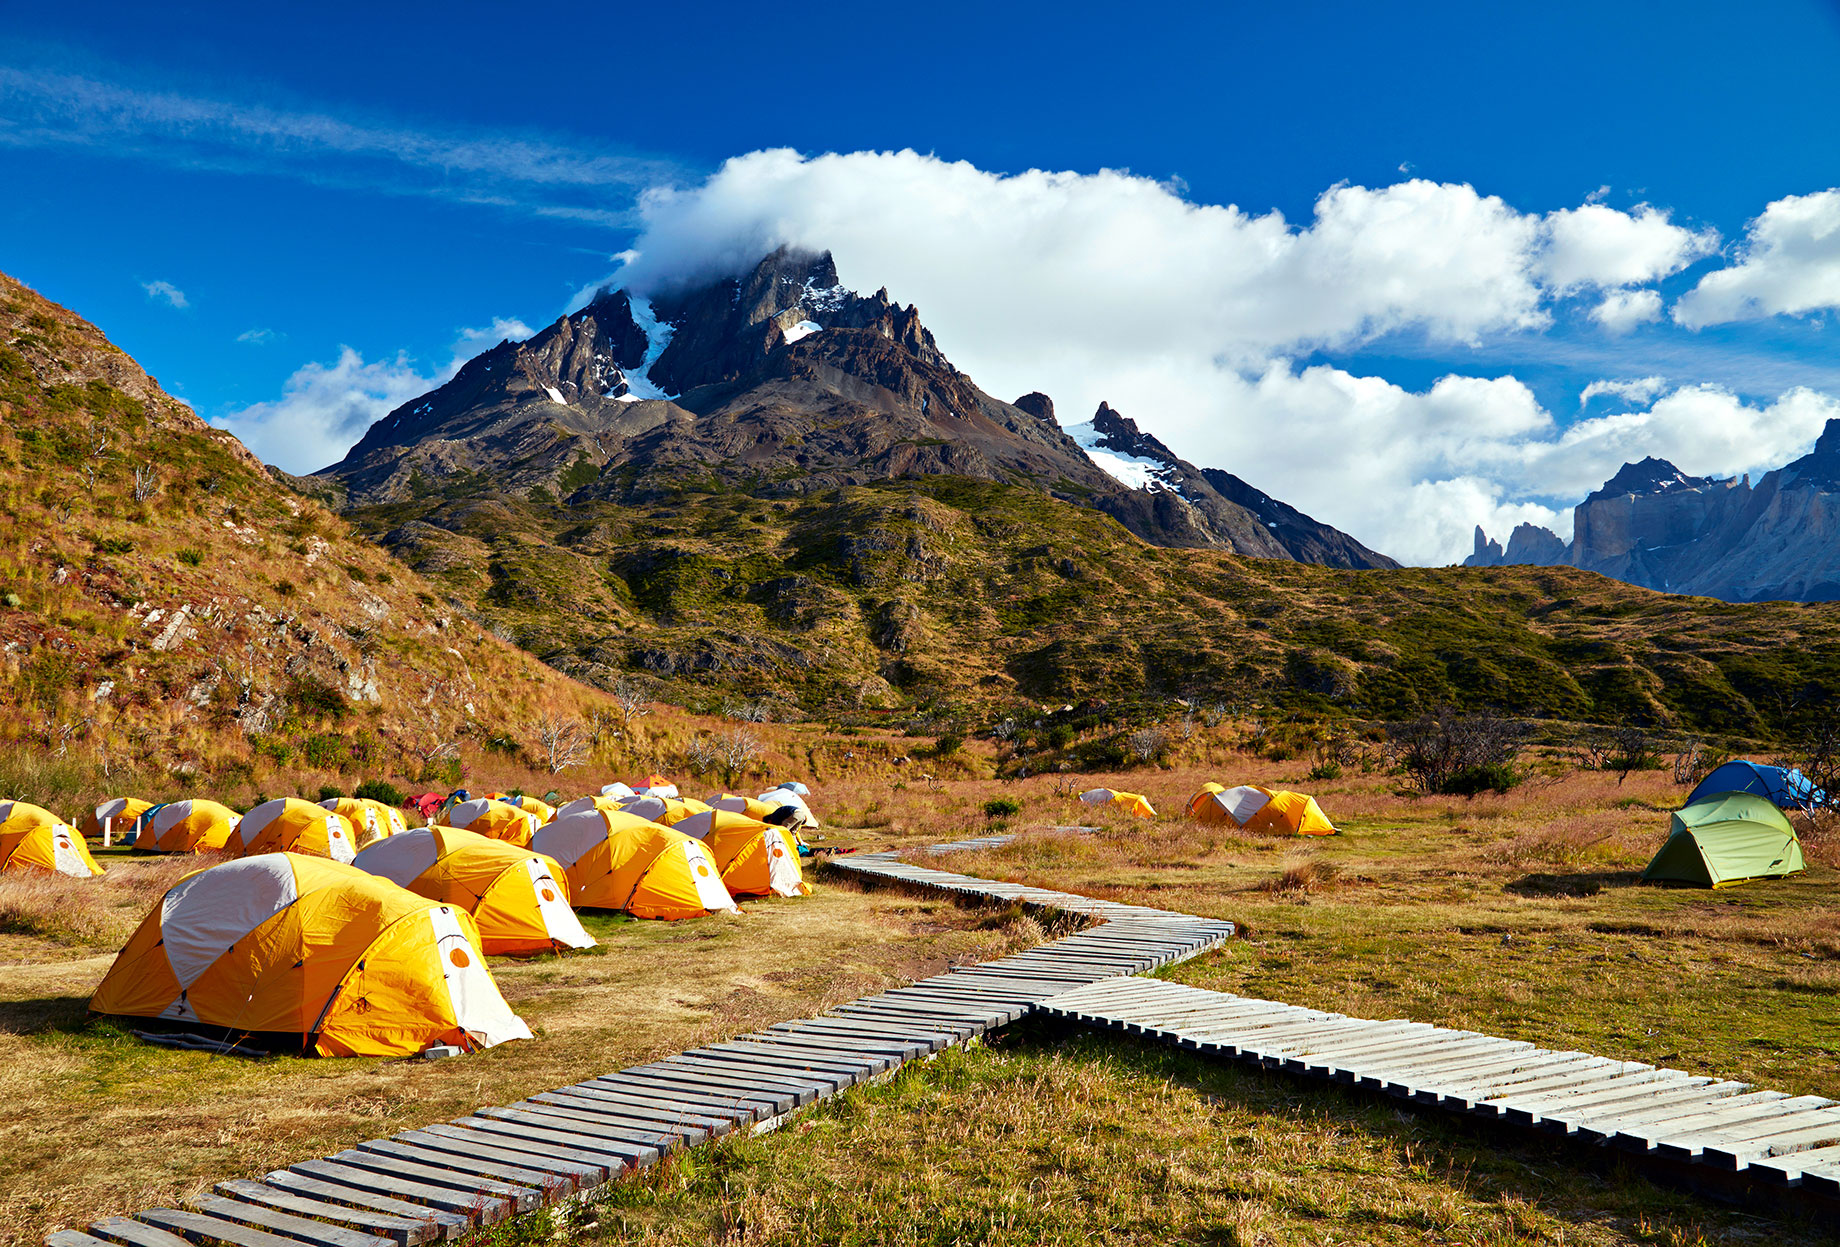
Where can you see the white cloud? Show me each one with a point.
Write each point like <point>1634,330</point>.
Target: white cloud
<point>1789,265</point>
<point>1593,245</point>
<point>257,337</point>
<point>325,408</point>
<point>165,292</point>
<point>1635,390</point>
<point>1622,310</point>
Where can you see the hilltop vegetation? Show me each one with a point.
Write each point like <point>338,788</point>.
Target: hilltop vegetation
<point>950,596</point>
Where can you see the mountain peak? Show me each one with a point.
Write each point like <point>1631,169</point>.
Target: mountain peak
<point>1649,476</point>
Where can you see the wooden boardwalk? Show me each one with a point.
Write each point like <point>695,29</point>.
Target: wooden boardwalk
<point>1730,1128</point>
<point>438,1181</point>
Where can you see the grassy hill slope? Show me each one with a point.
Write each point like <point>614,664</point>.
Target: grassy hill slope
<point>169,612</point>
<point>949,594</point>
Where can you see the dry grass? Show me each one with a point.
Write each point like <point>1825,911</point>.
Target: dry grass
<point>99,1122</point>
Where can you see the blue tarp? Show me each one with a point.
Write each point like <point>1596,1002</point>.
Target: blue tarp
<point>1789,789</point>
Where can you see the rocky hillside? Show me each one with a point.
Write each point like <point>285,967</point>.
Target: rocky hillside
<point>168,608</point>
<point>780,383</point>
<point>1653,525</point>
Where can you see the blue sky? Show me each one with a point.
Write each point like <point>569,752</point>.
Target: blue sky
<point>328,185</point>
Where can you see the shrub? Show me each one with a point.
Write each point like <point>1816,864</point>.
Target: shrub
<point>329,792</point>
<point>1437,749</point>
<point>1487,777</point>
<point>947,745</point>
<point>1001,807</point>
<point>191,556</point>
<point>327,751</point>
<point>1326,770</point>
<point>501,743</point>
<point>317,698</point>
<point>285,588</point>
<point>1060,735</point>
<point>443,771</point>
<point>380,790</point>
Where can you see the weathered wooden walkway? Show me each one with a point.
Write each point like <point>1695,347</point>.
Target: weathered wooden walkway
<point>438,1181</point>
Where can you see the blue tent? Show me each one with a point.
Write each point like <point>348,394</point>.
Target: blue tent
<point>1789,789</point>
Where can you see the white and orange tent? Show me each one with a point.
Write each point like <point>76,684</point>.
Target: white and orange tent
<point>755,858</point>
<point>1252,808</point>
<point>312,950</point>
<point>617,860</point>
<point>518,897</point>
<point>370,820</point>
<point>113,819</point>
<point>498,819</point>
<point>291,825</point>
<point>530,805</point>
<point>33,838</point>
<point>196,826</point>
<point>1133,803</point>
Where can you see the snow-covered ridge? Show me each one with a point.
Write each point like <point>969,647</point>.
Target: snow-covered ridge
<point>1130,470</point>
<point>804,329</point>
<point>639,384</point>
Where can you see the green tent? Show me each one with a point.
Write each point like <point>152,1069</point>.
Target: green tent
<point>1724,839</point>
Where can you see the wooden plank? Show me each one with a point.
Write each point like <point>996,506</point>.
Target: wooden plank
<point>675,1116</point>
<point>134,1233</point>
<point>538,1153</point>
<point>856,1066</point>
<point>607,1126</point>
<point>933,1038</point>
<point>1736,1155</point>
<point>896,1051</point>
<point>442,1223</point>
<point>1665,1120</point>
<point>196,1227</point>
<point>580,1175</point>
<point>398,1229</point>
<point>1583,1119</point>
<point>290,1225</point>
<point>511,1124</point>
<point>521,1198</point>
<point>74,1238</point>
<point>426,1149</point>
<point>764,1103</point>
<point>1790,1166</point>
<point>803,1088</point>
<point>1690,1144</point>
<point>477,1207</point>
<point>1759,1108</point>
<point>670,1136</point>
<point>694,1094</point>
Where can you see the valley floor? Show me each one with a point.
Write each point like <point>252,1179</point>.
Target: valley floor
<point>1517,914</point>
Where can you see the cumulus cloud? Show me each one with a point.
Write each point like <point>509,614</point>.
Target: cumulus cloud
<point>1635,390</point>
<point>1789,264</point>
<point>325,408</point>
<point>1594,245</point>
<point>1622,310</point>
<point>1191,318</point>
<point>165,292</point>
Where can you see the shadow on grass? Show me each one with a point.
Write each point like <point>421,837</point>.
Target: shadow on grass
<point>32,1017</point>
<point>1581,883</point>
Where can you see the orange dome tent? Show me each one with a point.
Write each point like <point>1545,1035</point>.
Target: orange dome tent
<point>1133,803</point>
<point>33,838</point>
<point>530,805</point>
<point>341,961</point>
<point>186,827</point>
<point>493,818</point>
<point>290,825</point>
<point>617,860</point>
<point>518,897</point>
<point>115,816</point>
<point>755,858</point>
<point>1253,808</point>
<point>370,820</point>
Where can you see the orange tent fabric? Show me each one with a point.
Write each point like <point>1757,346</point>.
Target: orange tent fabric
<point>290,825</point>
<point>33,838</point>
<point>755,858</point>
<point>497,819</point>
<point>1253,808</point>
<point>616,860</point>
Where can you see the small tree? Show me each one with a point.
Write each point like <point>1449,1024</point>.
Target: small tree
<point>701,755</point>
<point>561,743</point>
<point>1148,743</point>
<point>1460,754</point>
<point>632,699</point>
<point>737,749</point>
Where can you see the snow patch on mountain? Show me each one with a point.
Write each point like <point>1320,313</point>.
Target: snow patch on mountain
<point>1130,470</point>
<point>804,329</point>
<point>555,395</point>
<point>658,333</point>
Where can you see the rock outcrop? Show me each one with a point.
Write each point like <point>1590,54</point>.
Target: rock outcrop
<point>1653,525</point>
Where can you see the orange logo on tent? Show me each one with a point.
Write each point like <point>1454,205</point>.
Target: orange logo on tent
<point>459,958</point>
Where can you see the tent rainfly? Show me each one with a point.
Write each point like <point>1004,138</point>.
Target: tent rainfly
<point>617,860</point>
<point>1133,803</point>
<point>113,819</point>
<point>1788,789</point>
<point>370,820</point>
<point>493,818</point>
<point>313,951</point>
<point>1729,838</point>
<point>755,858</point>
<point>290,825</point>
<point>1260,809</point>
<point>195,826</point>
<point>33,838</point>
<point>518,898</point>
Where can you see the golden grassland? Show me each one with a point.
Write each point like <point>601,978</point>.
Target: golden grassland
<point>1517,914</point>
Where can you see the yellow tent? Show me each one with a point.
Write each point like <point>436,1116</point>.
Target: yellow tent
<point>370,820</point>
<point>755,859</point>
<point>186,827</point>
<point>32,838</point>
<point>518,898</point>
<point>1260,809</point>
<point>735,803</point>
<point>492,818</point>
<point>290,825</point>
<point>1135,804</point>
<point>117,814</point>
<point>665,811</point>
<point>318,951</point>
<point>617,860</point>
<point>530,805</point>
